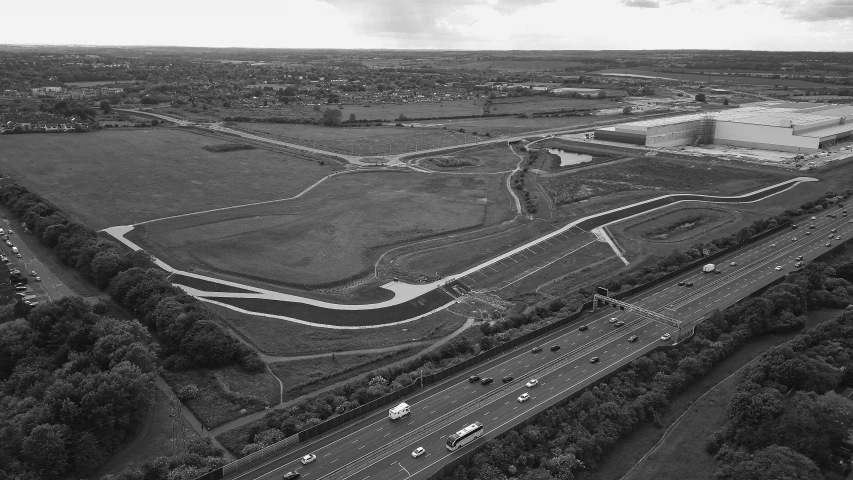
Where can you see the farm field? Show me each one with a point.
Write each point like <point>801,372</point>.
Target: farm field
<point>695,77</point>
<point>385,140</point>
<point>280,337</point>
<point>493,158</point>
<point>113,178</point>
<point>333,233</point>
<point>659,176</point>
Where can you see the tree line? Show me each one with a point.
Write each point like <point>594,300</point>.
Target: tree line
<point>74,385</point>
<point>190,335</point>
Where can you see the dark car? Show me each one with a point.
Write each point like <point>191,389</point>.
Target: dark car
<point>507,379</point>
<point>717,272</point>
<point>689,284</point>
<point>555,348</point>
<point>583,327</point>
<point>536,350</point>
<point>619,324</point>
<point>680,284</point>
<point>290,476</point>
<point>487,380</point>
<point>473,378</point>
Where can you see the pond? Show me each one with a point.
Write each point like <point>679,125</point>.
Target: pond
<point>570,158</point>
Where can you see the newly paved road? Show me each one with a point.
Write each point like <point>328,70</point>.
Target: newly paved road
<point>755,268</point>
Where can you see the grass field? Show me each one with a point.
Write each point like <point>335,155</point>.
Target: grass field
<point>660,176</point>
<point>589,255</point>
<point>695,77</point>
<point>485,159</point>
<point>334,232</point>
<point>385,140</point>
<point>687,439</point>
<point>119,177</point>
<point>305,376</point>
<point>224,392</point>
<point>279,337</point>
<point>678,223</point>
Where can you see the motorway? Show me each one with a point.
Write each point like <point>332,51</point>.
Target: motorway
<point>391,458</point>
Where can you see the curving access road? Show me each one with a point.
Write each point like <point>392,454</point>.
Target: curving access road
<point>377,448</point>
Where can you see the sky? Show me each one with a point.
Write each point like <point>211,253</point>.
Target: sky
<point>818,25</point>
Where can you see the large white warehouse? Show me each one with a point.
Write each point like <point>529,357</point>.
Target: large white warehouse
<point>789,127</point>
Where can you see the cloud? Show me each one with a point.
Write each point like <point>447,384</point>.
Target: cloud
<point>816,10</point>
<point>641,3</point>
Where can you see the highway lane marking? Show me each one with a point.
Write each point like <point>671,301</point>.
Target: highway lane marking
<point>333,461</point>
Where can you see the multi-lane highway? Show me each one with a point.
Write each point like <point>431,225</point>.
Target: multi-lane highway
<point>755,267</point>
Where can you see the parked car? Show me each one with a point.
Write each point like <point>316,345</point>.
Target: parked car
<point>532,383</point>
<point>593,360</point>
<point>487,380</point>
<point>38,279</point>
<point>473,378</point>
<point>19,255</point>
<point>418,452</point>
<point>308,458</point>
<point>799,257</point>
<point>523,397</point>
<point>778,267</point>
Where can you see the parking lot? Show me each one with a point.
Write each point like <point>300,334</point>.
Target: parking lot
<point>49,287</point>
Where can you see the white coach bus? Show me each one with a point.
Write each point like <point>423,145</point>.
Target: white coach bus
<point>465,436</point>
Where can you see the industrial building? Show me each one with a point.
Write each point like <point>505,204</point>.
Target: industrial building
<point>781,126</point>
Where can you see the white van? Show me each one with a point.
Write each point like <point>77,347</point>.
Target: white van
<point>399,411</point>
<point>14,249</point>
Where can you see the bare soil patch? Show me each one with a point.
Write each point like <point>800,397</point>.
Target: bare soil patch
<point>280,337</point>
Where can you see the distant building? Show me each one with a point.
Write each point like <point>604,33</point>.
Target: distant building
<point>780,126</point>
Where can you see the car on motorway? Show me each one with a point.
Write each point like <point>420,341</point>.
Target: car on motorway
<point>633,338</point>
<point>664,337</point>
<point>473,378</point>
<point>689,284</point>
<point>733,264</point>
<point>487,380</point>
<point>834,230</point>
<point>290,476</point>
<point>778,267</point>
<point>838,237</point>
<point>523,397</point>
<point>306,459</point>
<point>794,239</point>
<point>814,218</point>
<point>831,235</point>
<point>828,244</point>
<point>555,348</point>
<point>593,360</point>
<point>680,284</point>
<point>717,272</point>
<point>808,233</point>
<point>536,350</point>
<point>418,452</point>
<point>619,324</point>
<point>612,320</point>
<point>507,379</point>
<point>811,227</point>
<point>772,244</point>
<point>531,383</point>
<point>583,327</point>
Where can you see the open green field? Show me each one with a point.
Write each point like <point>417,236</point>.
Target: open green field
<point>385,140</point>
<point>677,223</point>
<point>695,77</point>
<point>589,255</point>
<point>280,337</point>
<point>414,110</point>
<point>660,176</point>
<point>492,158</point>
<point>334,232</point>
<point>120,177</point>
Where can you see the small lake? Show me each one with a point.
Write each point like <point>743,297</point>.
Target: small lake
<point>570,158</point>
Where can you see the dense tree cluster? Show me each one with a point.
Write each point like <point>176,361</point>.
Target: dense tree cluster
<point>189,333</point>
<point>73,386</point>
<point>201,456</point>
<point>785,402</point>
